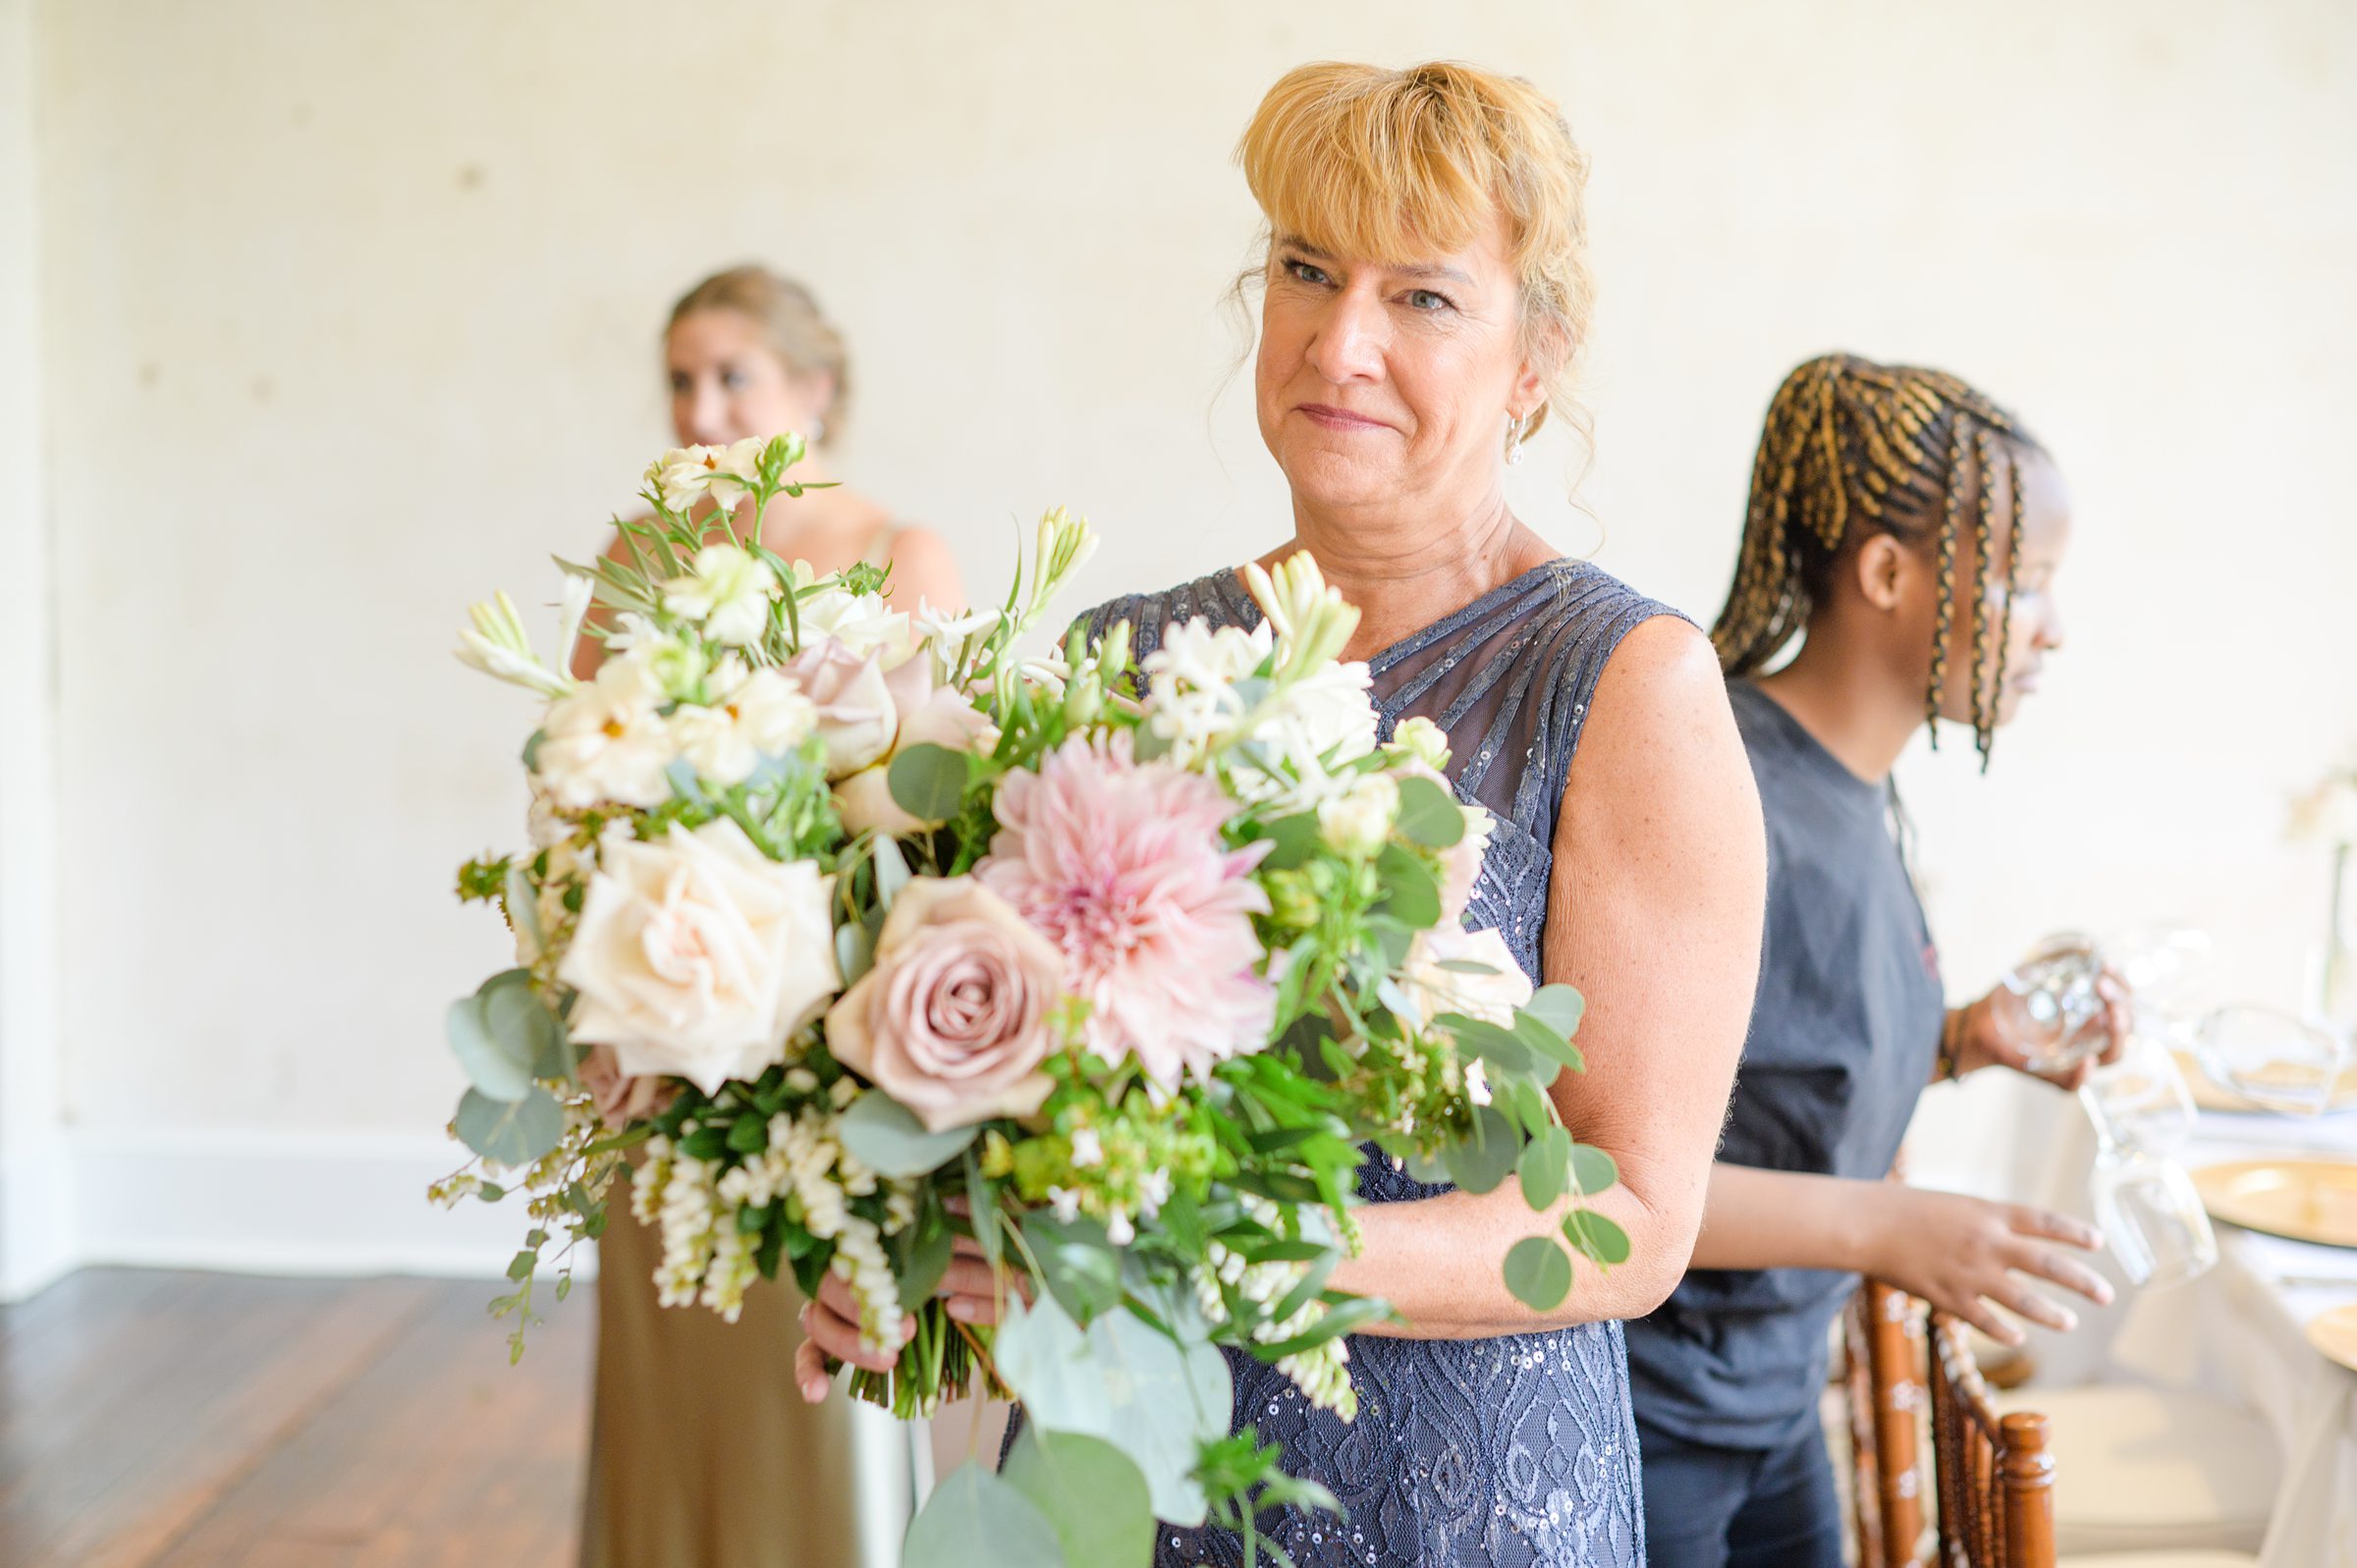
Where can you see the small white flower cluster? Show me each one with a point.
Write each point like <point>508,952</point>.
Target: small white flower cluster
<point>708,1260</point>
<point>611,742</point>
<point>1321,1372</point>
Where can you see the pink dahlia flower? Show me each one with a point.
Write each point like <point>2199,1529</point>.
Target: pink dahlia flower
<point>1121,864</point>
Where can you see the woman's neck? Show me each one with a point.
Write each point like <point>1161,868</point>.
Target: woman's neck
<point>1404,574</point>
<point>1847,705</point>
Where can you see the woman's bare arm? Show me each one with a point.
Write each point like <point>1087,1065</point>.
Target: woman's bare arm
<point>1655,908</point>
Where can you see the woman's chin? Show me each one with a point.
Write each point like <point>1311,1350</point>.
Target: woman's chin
<point>1323,477</point>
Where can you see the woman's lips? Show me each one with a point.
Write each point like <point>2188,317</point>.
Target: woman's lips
<point>1333,418</point>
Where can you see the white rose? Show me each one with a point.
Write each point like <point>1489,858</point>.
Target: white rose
<point>762,714</point>
<point>1433,989</point>
<point>728,591</point>
<point>861,621</point>
<point>607,743</point>
<point>698,958</point>
<point>1358,822</point>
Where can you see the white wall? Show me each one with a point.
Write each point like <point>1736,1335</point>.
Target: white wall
<point>350,317</point>
<point>35,1238</point>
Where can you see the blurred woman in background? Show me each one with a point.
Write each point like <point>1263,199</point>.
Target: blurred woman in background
<point>702,1454</point>
<point>1909,529</point>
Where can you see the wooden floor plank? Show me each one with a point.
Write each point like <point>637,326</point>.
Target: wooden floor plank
<point>158,1419</point>
<point>439,1454</point>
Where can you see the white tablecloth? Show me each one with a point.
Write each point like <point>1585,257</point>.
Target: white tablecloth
<point>2238,1332</point>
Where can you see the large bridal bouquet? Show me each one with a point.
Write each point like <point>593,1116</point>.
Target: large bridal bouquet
<point>866,933</point>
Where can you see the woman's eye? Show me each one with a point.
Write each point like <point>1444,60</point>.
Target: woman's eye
<point>732,380</point>
<point>1426,300</point>
<point>1303,272</point>
<point>679,385</point>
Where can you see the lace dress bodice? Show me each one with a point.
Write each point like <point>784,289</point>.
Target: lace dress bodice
<point>1514,1452</point>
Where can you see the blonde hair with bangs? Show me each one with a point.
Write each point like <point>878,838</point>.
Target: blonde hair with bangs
<point>1400,165</point>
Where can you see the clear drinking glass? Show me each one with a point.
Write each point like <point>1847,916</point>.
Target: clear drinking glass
<point>2272,1059</point>
<point>2051,1002</point>
<point>2141,1103</point>
<point>2152,1216</point>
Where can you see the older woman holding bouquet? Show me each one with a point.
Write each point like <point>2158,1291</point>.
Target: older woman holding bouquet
<point>1426,291</point>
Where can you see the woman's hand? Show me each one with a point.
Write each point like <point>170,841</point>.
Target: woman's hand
<point>831,1320</point>
<point>1990,1036</point>
<point>1964,1256</point>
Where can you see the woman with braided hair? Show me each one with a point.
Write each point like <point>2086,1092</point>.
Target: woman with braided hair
<point>1908,530</point>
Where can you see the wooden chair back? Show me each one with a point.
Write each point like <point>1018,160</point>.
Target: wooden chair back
<point>1882,1348</point>
<point>1993,1474</point>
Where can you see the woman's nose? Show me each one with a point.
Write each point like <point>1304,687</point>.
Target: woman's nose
<point>1349,346</point>
<point>707,415</point>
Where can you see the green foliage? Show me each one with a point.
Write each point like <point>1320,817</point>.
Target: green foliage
<point>1538,1273</point>
<point>510,1132</point>
<point>974,1511</point>
<point>1090,1490</point>
<point>890,1140</point>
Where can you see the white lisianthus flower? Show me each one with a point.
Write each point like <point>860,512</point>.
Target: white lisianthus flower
<point>735,468</point>
<point>728,591</point>
<point>761,715</point>
<point>1433,989</point>
<point>698,958</point>
<point>682,476</point>
<point>1357,823</point>
<point>861,621</point>
<point>607,743</point>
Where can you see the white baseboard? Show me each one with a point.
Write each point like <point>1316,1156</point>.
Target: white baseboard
<point>273,1202</point>
<point>36,1232</point>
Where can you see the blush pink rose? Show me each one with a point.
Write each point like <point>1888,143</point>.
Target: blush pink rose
<point>953,1020</point>
<point>856,715</point>
<point>620,1098</point>
<point>924,714</point>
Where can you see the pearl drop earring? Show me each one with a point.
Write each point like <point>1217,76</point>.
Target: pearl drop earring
<point>1513,439</point>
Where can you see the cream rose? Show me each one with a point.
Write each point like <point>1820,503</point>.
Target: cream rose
<point>1433,989</point>
<point>856,715</point>
<point>925,715</point>
<point>953,1020</point>
<point>699,956</point>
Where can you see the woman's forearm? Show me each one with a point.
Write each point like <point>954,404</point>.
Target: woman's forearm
<point>1441,1263</point>
<point>1787,1219</point>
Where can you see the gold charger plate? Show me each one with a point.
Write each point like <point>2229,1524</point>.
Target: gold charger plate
<point>2304,1200</point>
<point>2212,1096</point>
<point>2335,1334</point>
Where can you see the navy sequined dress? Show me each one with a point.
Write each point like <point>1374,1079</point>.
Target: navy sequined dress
<point>1515,1452</point>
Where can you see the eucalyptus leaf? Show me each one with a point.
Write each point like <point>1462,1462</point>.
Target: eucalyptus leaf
<point>1596,1236</point>
<point>1545,1167</point>
<point>1559,1007</point>
<point>1125,1383</point>
<point>1429,815</point>
<point>1410,894</point>
<point>1481,1160</point>
<point>854,952</point>
<point>1296,839</point>
<point>1081,1266</point>
<point>1539,1273</point>
<point>494,1073</point>
<point>973,1511</point>
<point>1540,1036</point>
<point>928,781</point>
<point>510,1132</point>
<point>888,1140</point>
<point>1500,1048</point>
<point>1592,1169</point>
<point>1092,1493</point>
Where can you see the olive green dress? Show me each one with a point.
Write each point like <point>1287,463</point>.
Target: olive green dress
<point>702,1451</point>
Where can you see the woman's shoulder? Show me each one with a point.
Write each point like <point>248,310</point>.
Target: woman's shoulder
<point>1219,597</point>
